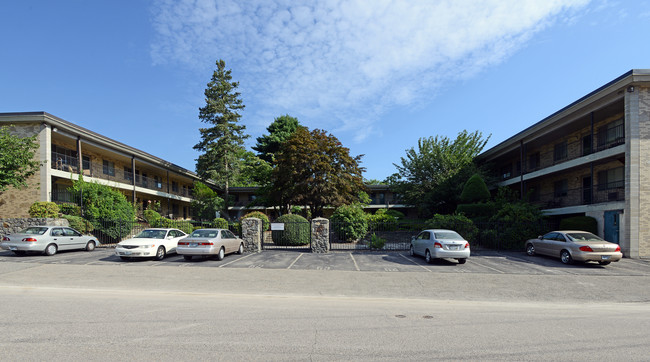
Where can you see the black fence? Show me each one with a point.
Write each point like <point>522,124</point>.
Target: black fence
<point>288,236</point>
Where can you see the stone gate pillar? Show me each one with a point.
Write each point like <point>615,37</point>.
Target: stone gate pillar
<point>320,235</point>
<point>251,232</point>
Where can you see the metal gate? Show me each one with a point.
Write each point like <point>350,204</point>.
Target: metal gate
<point>294,236</point>
<point>373,236</point>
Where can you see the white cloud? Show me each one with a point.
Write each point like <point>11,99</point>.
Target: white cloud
<point>341,64</point>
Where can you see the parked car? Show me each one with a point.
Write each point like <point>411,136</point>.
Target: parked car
<point>440,243</point>
<point>150,243</point>
<point>210,242</point>
<point>47,240</point>
<point>571,245</point>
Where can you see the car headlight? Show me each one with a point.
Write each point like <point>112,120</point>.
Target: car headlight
<point>148,246</point>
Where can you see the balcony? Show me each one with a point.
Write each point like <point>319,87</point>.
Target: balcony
<point>578,197</point>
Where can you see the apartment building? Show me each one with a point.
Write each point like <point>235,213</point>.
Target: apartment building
<point>590,158</point>
<point>67,150</point>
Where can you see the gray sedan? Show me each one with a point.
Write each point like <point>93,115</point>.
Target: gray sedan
<point>570,245</point>
<point>210,242</point>
<point>47,240</point>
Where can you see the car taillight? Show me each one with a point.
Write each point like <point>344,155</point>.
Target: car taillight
<point>206,243</point>
<point>183,243</point>
<point>29,239</point>
<point>586,248</point>
<point>437,245</point>
<point>466,245</point>
<point>618,248</point>
<point>4,238</point>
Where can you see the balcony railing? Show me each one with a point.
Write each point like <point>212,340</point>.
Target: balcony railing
<point>577,197</point>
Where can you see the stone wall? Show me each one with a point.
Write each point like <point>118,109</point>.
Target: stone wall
<point>320,235</point>
<point>251,230</point>
<point>10,226</point>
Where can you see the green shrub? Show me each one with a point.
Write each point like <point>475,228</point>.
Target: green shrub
<point>477,210</point>
<point>459,223</point>
<point>396,214</point>
<point>584,223</point>
<point>79,223</point>
<point>220,223</point>
<point>70,209</point>
<point>349,222</point>
<point>475,190</point>
<point>259,215</point>
<point>152,217</point>
<point>381,216</point>
<point>44,209</point>
<point>296,231</point>
<point>376,242</point>
<point>517,222</point>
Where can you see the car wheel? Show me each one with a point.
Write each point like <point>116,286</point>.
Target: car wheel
<point>221,254</point>
<point>566,258</point>
<point>241,249</point>
<point>160,253</point>
<point>427,257</point>
<point>50,250</point>
<point>604,262</point>
<point>462,261</point>
<point>187,257</point>
<point>411,251</point>
<point>20,252</point>
<point>125,258</point>
<point>530,249</point>
<point>90,246</point>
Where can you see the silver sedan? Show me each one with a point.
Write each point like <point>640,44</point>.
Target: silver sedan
<point>210,242</point>
<point>47,240</point>
<point>570,245</point>
<point>440,243</point>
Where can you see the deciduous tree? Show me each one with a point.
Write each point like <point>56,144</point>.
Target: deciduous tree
<point>17,161</point>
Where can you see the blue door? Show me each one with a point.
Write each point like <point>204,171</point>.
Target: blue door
<point>612,222</point>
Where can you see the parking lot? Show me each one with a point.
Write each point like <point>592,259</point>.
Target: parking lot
<point>484,262</point>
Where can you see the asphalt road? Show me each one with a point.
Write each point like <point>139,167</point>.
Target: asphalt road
<point>286,306</point>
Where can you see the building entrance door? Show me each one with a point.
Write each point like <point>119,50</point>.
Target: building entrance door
<point>612,225</point>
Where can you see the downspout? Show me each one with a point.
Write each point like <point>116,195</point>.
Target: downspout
<point>81,171</point>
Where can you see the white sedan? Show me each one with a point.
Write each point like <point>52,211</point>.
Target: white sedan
<point>150,243</point>
<point>440,243</point>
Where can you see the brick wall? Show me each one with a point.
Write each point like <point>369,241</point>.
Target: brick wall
<point>644,172</point>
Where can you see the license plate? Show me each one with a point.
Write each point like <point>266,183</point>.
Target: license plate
<point>453,247</point>
<point>605,257</point>
<point>127,253</point>
<point>13,248</point>
<point>193,245</point>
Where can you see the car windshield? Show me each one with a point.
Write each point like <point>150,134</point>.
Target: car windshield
<point>447,235</point>
<point>34,231</point>
<point>584,237</point>
<point>205,233</point>
<point>152,234</point>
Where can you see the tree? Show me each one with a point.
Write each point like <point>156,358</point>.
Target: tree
<point>206,202</point>
<point>254,171</point>
<point>222,143</point>
<point>17,162</point>
<point>432,177</point>
<point>280,130</point>
<point>314,169</point>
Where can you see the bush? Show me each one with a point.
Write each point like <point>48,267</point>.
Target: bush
<point>376,242</point>
<point>477,210</point>
<point>475,190</point>
<point>70,209</point>
<point>44,209</point>
<point>517,222</point>
<point>396,214</point>
<point>220,223</point>
<point>152,217</point>
<point>584,223</point>
<point>259,215</point>
<point>349,222</point>
<point>296,231</point>
<point>459,223</point>
<point>79,223</point>
<point>381,216</point>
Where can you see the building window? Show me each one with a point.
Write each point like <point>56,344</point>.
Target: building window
<point>108,168</point>
<point>613,134</point>
<point>128,173</point>
<point>158,182</point>
<point>533,193</point>
<point>506,172</point>
<point>561,188</point>
<point>586,145</point>
<point>560,151</point>
<point>611,179</point>
<point>533,161</point>
<point>174,186</point>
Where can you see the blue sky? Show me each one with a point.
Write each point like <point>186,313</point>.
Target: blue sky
<point>377,74</point>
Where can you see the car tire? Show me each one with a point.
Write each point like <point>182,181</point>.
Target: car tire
<point>604,262</point>
<point>90,246</point>
<point>221,254</point>
<point>530,249</point>
<point>160,253</point>
<point>566,258</point>
<point>125,258</point>
<point>187,257</point>
<point>427,257</point>
<point>50,250</point>
<point>20,252</point>
<point>411,251</point>
<point>462,260</point>
<point>240,251</point>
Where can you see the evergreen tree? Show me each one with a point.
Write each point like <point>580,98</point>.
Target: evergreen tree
<point>279,131</point>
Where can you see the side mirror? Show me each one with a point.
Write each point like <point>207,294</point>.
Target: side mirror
<point>539,237</point>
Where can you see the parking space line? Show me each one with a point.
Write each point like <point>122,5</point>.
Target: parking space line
<point>487,267</point>
<point>236,260</point>
<point>355,262</point>
<point>418,264</point>
<point>290,265</point>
